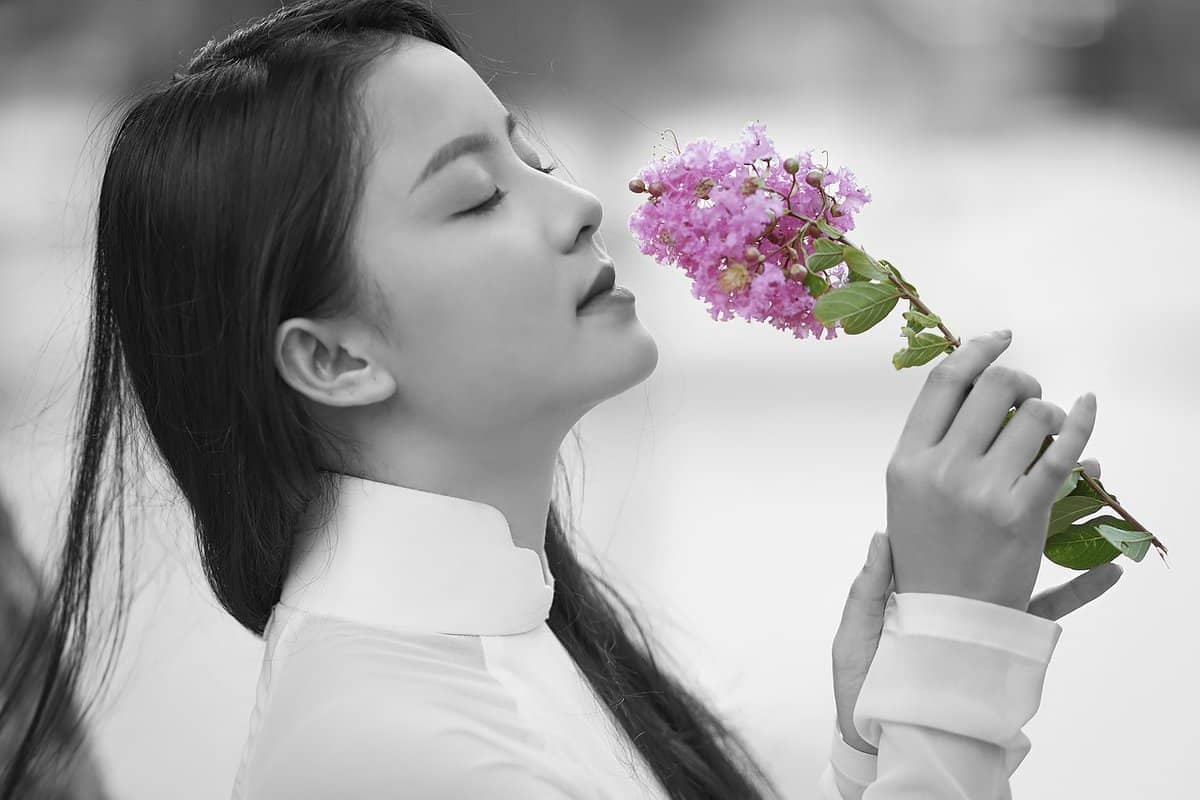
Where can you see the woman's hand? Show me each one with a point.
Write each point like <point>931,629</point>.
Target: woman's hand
<point>857,636</point>
<point>967,505</point>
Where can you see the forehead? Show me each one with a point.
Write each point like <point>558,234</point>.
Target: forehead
<point>420,96</point>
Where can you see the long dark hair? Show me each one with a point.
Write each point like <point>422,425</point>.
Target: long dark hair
<point>225,208</point>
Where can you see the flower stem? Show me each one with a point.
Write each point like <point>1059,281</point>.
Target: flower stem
<point>912,298</point>
<point>1104,496</point>
<point>826,203</point>
<point>904,292</point>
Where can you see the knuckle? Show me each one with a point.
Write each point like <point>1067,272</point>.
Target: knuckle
<point>944,374</point>
<point>1031,385</point>
<point>1005,515</point>
<point>1056,463</point>
<point>1000,375</point>
<point>990,505</point>
<point>944,477</point>
<point>979,500</point>
<point>1041,411</point>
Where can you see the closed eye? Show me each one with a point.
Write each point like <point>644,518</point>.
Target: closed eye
<point>486,205</point>
<point>499,194</point>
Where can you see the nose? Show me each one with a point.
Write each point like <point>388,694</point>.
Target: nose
<point>584,220</point>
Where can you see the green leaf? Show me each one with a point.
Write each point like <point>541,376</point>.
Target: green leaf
<point>1080,547</point>
<point>1097,541</point>
<point>826,253</point>
<point>912,289</point>
<point>859,306</point>
<point>815,284</point>
<point>1069,509</point>
<point>861,264</point>
<point>827,246</point>
<point>1084,490</point>
<point>856,278</point>
<point>923,348</point>
<point>828,230</point>
<point>1069,485</point>
<point>1133,543</point>
<point>919,320</point>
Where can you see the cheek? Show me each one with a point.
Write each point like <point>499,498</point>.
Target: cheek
<point>513,318</point>
<point>511,292</point>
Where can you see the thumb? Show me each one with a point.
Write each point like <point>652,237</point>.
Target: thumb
<point>870,589</point>
<point>866,604</point>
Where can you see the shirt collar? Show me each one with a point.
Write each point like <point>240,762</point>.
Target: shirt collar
<point>398,557</point>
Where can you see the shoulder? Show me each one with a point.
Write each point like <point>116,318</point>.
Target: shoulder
<point>358,712</point>
<point>328,674</point>
<point>437,744</point>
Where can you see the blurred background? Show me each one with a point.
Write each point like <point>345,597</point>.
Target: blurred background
<point>1035,164</point>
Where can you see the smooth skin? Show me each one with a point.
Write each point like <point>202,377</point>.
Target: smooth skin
<point>466,365</point>
<point>965,518</point>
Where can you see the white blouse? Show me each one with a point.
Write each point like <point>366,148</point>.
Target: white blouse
<point>412,659</point>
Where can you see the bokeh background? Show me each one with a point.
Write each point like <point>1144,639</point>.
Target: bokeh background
<point>1035,164</point>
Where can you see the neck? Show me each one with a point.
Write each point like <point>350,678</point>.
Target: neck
<point>513,473</point>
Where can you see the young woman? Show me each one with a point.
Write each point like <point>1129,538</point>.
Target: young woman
<point>343,295</point>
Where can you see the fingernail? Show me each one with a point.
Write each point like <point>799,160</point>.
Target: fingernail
<point>1004,333</point>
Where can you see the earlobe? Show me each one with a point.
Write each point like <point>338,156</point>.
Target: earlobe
<point>313,359</point>
<point>372,385</point>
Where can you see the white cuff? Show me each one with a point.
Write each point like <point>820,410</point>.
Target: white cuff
<point>852,764</point>
<point>960,665</point>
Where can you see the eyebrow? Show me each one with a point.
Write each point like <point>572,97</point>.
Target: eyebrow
<point>456,148</point>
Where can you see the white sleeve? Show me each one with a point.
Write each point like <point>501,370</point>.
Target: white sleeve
<point>950,687</point>
<point>848,772</point>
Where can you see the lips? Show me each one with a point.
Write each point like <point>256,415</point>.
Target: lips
<point>605,279</point>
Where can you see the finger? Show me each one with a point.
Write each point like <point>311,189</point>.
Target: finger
<point>863,613</point>
<point>978,422</point>
<point>1059,601</point>
<point>944,389</point>
<point>1019,442</point>
<point>1038,486</point>
<point>1091,466</point>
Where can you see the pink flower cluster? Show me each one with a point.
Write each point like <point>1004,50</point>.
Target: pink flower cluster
<point>706,204</point>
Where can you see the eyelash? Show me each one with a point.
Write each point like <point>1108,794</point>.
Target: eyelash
<point>495,199</point>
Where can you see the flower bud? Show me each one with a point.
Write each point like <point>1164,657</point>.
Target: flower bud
<point>637,186</point>
<point>656,188</point>
<point>836,210</point>
<point>814,178</point>
<point>751,254</point>
<point>798,271</point>
<point>791,166</point>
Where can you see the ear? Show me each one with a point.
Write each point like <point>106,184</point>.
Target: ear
<point>317,359</point>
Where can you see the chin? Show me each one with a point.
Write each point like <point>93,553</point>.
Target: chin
<point>614,371</point>
<point>630,366</point>
<point>648,358</point>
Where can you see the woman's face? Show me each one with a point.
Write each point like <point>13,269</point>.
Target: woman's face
<point>478,290</point>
